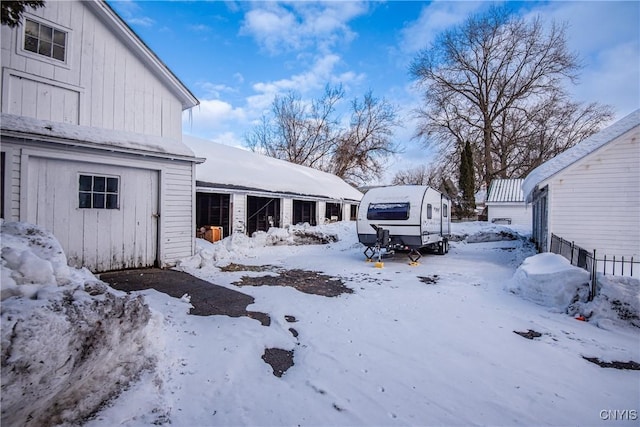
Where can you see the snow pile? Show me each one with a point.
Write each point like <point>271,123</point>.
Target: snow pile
<point>69,342</point>
<point>549,280</point>
<point>617,303</point>
<point>31,258</point>
<point>238,244</point>
<point>482,232</point>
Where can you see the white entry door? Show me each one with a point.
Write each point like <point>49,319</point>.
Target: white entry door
<point>105,217</point>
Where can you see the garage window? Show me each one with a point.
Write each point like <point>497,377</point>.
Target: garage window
<point>98,192</point>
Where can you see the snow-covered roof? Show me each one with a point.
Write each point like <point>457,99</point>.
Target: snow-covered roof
<point>232,167</point>
<point>36,129</point>
<point>505,191</point>
<point>578,151</point>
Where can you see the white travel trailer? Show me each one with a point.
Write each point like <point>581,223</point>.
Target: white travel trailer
<point>404,217</point>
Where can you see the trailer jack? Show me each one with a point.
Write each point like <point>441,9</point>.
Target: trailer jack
<point>371,251</point>
<point>414,256</point>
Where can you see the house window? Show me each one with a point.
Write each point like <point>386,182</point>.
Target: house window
<point>98,192</point>
<point>45,40</point>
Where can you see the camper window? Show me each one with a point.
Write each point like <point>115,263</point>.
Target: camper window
<point>384,211</point>
<point>445,209</point>
<point>429,211</point>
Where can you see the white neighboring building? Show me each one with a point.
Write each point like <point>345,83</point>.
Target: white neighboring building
<point>243,192</point>
<point>590,194</point>
<point>505,203</point>
<point>91,134</point>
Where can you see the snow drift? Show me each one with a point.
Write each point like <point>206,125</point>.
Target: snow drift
<point>69,342</point>
<point>550,280</point>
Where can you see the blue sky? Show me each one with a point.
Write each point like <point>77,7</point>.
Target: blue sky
<point>235,56</point>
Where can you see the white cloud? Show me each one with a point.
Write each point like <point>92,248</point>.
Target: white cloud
<point>213,116</point>
<point>295,26</point>
<point>606,36</point>
<point>310,82</point>
<point>238,77</point>
<point>142,21</point>
<point>434,19</point>
<point>215,90</point>
<point>200,28</point>
<point>130,11</point>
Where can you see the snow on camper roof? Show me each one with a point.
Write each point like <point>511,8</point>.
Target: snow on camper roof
<point>96,137</point>
<point>578,151</point>
<point>505,190</point>
<point>231,167</point>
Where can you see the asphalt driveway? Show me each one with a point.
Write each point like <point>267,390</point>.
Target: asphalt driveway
<point>206,298</point>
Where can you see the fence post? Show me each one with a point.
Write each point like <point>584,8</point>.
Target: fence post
<point>571,260</point>
<point>594,269</point>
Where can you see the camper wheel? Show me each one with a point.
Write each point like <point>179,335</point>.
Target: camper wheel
<point>443,247</point>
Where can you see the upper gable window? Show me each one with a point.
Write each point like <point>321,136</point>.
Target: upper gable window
<point>45,40</point>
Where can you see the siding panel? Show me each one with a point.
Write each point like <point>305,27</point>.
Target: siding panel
<point>596,202</point>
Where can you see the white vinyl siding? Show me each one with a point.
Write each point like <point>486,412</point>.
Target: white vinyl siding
<point>118,91</point>
<point>518,213</point>
<point>596,201</point>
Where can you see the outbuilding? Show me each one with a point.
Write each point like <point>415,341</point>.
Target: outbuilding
<point>590,194</point>
<point>505,203</point>
<point>243,192</point>
<point>91,134</point>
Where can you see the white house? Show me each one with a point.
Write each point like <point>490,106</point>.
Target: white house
<point>91,134</point>
<point>242,191</point>
<point>505,203</point>
<point>590,194</point>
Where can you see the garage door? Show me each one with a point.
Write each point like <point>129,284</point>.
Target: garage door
<point>106,217</point>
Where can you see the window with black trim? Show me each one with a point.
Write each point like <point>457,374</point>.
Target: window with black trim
<point>45,40</point>
<point>445,210</point>
<point>388,211</point>
<point>429,211</point>
<point>98,192</point>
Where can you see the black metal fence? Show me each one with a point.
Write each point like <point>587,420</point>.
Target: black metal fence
<point>587,259</point>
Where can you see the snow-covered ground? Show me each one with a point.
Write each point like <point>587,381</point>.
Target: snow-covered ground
<point>427,345</point>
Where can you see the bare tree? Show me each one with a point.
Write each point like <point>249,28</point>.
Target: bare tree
<point>299,132</point>
<point>367,141</point>
<point>310,134</point>
<point>494,81</point>
<point>419,175</point>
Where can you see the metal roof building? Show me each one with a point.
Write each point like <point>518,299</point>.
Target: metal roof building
<point>505,203</point>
